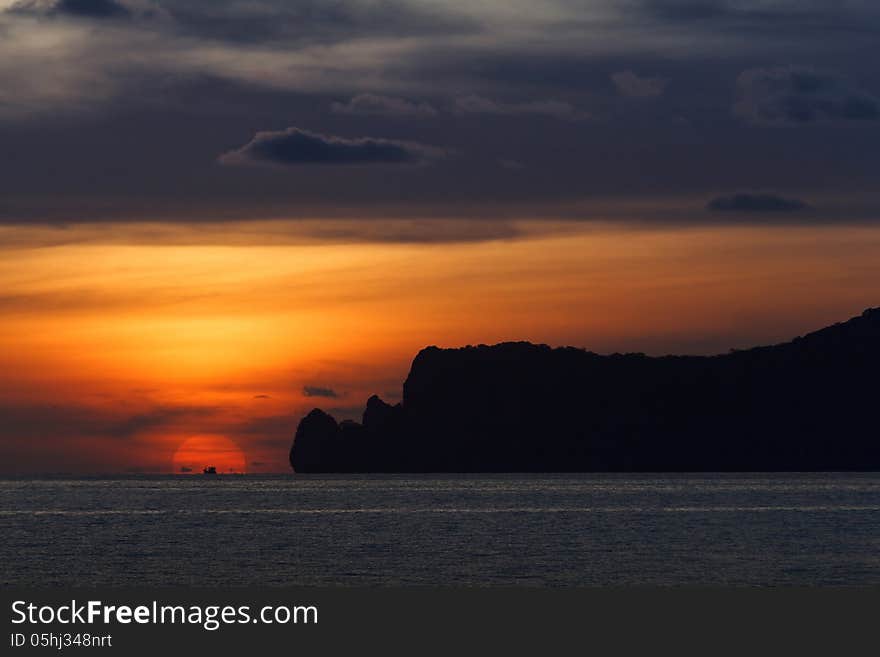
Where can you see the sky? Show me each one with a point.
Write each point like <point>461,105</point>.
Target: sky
<point>216,215</point>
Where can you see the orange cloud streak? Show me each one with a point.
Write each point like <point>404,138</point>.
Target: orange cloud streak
<point>232,333</point>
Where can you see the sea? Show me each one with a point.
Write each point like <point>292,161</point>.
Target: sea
<point>559,530</point>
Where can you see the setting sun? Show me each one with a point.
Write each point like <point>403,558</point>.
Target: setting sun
<point>199,452</point>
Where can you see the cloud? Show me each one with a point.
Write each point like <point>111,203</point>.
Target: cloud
<point>155,418</point>
<point>772,18</point>
<point>687,10</point>
<point>26,422</point>
<point>294,146</point>
<point>66,65</point>
<point>430,230</point>
<point>797,95</point>
<point>317,21</point>
<point>755,203</point>
<point>262,397</point>
<point>390,47</point>
<point>629,84</point>
<point>91,9</point>
<point>80,96</point>
<point>269,428</point>
<point>368,229</point>
<point>374,105</point>
<point>552,108</point>
<point>318,391</point>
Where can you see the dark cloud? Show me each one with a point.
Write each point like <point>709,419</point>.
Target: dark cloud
<point>301,147</point>
<point>154,418</point>
<point>552,108</point>
<point>269,427</point>
<point>46,421</point>
<point>628,83</point>
<point>269,434</point>
<point>201,81</point>
<point>315,21</point>
<point>94,9</point>
<point>770,18</point>
<point>794,95</point>
<point>687,10</point>
<point>88,438</point>
<point>374,105</point>
<point>393,228</point>
<point>755,203</point>
<point>425,230</point>
<point>318,391</point>
<point>262,397</point>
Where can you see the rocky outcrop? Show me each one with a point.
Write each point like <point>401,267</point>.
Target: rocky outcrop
<point>314,440</point>
<point>803,405</point>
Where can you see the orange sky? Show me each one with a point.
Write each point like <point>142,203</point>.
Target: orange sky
<point>118,344</point>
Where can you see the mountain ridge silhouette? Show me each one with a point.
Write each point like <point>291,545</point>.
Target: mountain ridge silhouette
<point>807,404</point>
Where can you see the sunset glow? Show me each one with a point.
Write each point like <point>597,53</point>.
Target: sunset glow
<point>131,350</point>
<point>199,452</point>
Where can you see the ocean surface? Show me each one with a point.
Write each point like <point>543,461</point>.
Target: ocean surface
<point>475,530</point>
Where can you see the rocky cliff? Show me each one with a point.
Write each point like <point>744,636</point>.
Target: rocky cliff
<point>808,404</point>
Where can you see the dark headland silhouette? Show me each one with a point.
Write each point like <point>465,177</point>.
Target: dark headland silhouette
<point>808,404</point>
